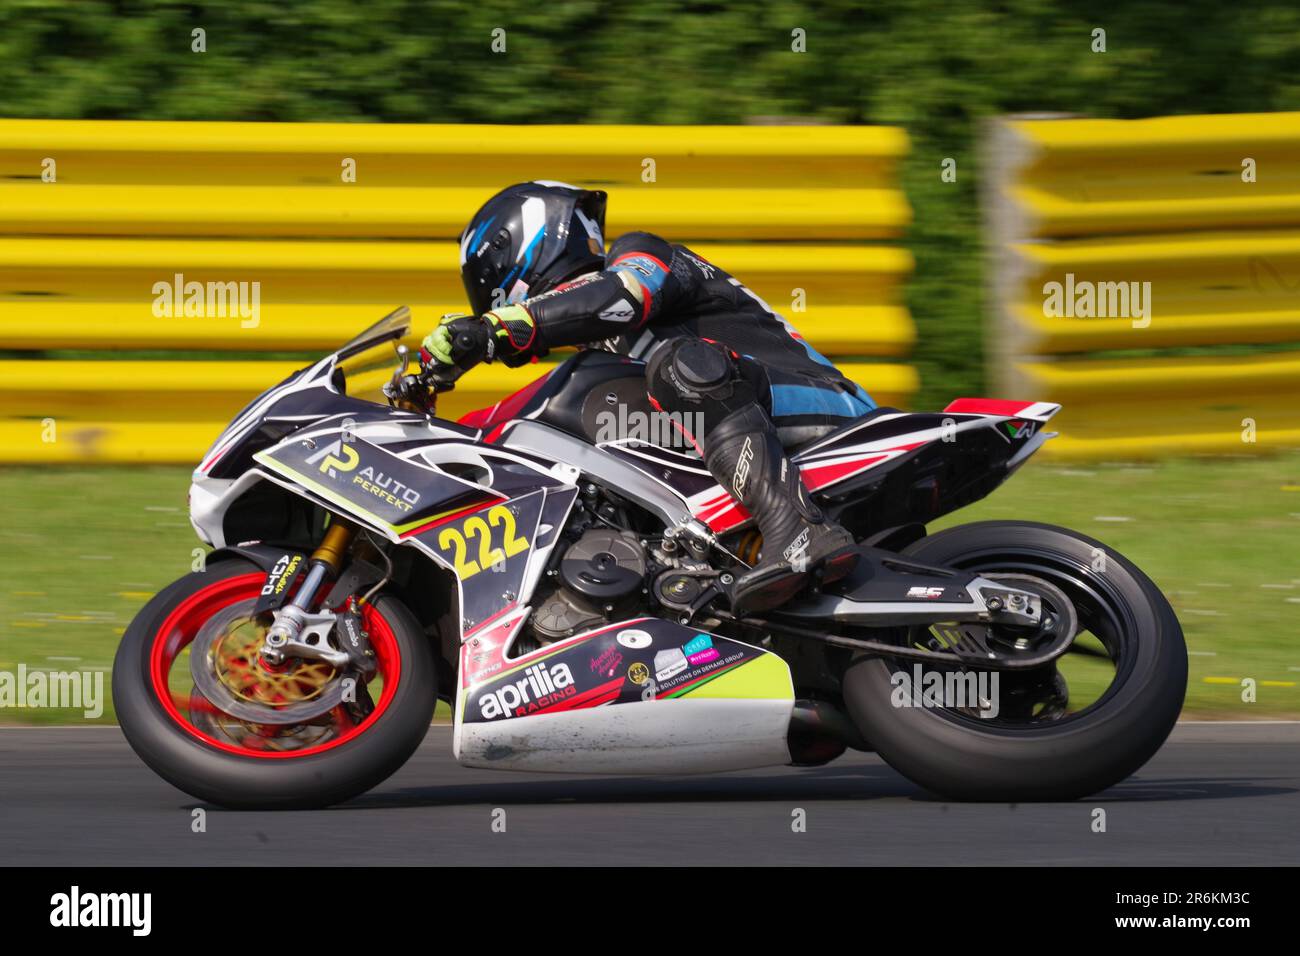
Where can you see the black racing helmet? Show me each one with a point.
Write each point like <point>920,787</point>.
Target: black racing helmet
<point>529,238</point>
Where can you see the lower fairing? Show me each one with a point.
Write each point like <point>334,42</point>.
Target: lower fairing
<point>639,696</point>
<point>677,736</point>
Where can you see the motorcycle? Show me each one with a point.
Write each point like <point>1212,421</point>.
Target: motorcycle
<point>564,588</point>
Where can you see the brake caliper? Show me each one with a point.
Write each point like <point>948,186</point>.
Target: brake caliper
<point>355,641</point>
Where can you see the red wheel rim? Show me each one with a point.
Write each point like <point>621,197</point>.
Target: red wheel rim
<point>184,622</point>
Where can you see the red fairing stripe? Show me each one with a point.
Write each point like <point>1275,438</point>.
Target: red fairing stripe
<point>987,406</point>
<point>505,409</point>
<point>726,520</point>
<point>723,513</point>
<point>716,505</point>
<point>479,417</point>
<point>602,694</point>
<point>819,476</point>
<point>469,509</point>
<point>214,458</point>
<point>815,477</point>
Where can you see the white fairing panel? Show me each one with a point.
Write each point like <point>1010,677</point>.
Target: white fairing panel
<point>677,736</point>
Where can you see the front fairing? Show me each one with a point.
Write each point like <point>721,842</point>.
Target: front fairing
<point>337,385</point>
<point>488,515</point>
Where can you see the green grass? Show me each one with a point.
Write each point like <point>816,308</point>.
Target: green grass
<point>82,549</point>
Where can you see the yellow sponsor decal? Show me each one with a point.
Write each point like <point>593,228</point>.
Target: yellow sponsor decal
<point>456,539</point>
<point>331,461</point>
<point>392,499</point>
<point>290,573</point>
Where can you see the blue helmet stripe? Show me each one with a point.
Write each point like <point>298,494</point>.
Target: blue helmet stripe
<point>479,233</point>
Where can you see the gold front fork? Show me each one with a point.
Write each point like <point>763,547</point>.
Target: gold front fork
<point>337,540</point>
<point>325,563</point>
<point>326,560</point>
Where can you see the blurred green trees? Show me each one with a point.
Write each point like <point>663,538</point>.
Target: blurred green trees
<point>936,68</point>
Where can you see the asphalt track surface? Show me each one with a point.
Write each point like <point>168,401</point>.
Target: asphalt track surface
<point>1217,794</point>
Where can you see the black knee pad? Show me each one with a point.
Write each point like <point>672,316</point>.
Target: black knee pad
<point>691,370</point>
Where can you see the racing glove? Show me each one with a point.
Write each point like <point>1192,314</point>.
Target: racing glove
<point>462,341</point>
<point>459,340</point>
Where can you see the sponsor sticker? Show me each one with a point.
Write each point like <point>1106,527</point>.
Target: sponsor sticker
<point>924,592</point>
<point>540,687</point>
<point>700,650</point>
<point>282,574</point>
<point>669,662</point>
<point>653,662</point>
<point>607,662</point>
<point>634,640</point>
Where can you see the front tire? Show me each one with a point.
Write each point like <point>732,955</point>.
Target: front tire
<point>1064,755</point>
<point>241,771</point>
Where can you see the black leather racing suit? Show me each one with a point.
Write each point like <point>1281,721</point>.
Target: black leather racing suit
<point>655,299</point>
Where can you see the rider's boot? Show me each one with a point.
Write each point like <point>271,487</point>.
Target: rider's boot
<point>800,545</point>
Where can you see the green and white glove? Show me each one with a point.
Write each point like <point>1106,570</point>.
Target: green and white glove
<point>459,340</point>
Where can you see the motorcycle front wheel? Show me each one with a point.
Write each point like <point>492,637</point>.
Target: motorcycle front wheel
<point>1057,732</point>
<point>333,753</point>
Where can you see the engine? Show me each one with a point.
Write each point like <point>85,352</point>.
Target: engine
<point>601,575</point>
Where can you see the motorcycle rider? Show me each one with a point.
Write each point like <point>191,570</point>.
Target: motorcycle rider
<point>535,269</point>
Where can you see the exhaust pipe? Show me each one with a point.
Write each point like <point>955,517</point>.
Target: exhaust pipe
<point>820,732</point>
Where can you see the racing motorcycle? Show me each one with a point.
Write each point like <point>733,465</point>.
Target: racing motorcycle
<point>564,588</point>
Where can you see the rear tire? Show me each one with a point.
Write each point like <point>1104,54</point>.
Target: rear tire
<point>1081,754</point>
<point>320,776</point>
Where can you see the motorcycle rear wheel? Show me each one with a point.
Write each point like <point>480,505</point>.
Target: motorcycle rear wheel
<point>1048,752</point>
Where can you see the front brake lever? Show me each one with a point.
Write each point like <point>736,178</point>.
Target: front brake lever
<point>442,378</point>
<point>415,392</point>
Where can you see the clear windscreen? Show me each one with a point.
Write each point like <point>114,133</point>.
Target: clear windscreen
<point>367,361</point>
<point>395,326</point>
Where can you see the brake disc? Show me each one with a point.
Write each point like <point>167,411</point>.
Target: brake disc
<point>276,737</point>
<point>227,669</point>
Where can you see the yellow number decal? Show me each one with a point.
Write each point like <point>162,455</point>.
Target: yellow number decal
<point>488,556</point>
<point>457,540</point>
<point>452,538</point>
<point>503,515</point>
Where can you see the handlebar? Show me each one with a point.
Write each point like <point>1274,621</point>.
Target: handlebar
<point>414,392</point>
<point>419,390</point>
